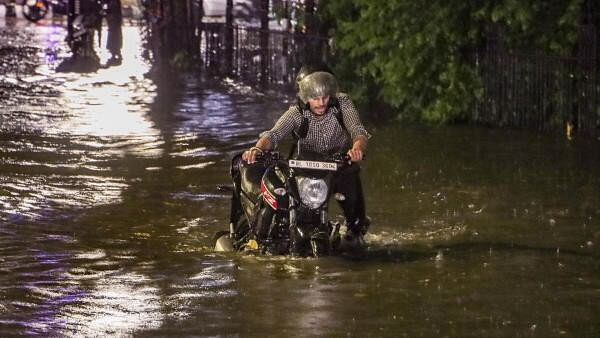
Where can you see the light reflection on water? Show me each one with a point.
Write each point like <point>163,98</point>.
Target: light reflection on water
<point>94,118</point>
<point>116,305</point>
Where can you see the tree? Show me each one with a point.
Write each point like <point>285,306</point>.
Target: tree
<point>417,56</point>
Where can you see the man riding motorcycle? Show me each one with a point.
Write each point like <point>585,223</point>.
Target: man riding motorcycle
<point>334,126</point>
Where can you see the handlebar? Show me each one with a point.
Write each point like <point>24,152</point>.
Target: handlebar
<point>340,158</point>
<point>270,157</point>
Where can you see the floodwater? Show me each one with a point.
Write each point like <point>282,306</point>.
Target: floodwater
<point>108,207</point>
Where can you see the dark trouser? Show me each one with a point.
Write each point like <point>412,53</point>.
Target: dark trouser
<point>114,22</point>
<point>348,183</point>
<point>10,9</point>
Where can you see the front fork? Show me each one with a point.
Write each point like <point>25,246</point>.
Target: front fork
<point>293,204</point>
<point>325,230</point>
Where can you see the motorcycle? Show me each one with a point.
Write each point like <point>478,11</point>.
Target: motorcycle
<point>288,214</point>
<point>84,19</point>
<point>36,10</point>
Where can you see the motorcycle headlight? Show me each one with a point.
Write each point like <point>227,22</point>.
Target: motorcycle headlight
<point>313,192</point>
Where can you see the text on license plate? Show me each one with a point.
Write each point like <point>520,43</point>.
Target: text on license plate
<point>316,165</point>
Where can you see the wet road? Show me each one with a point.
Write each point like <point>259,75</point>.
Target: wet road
<point>108,206</point>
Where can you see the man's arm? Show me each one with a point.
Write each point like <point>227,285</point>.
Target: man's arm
<point>359,148</point>
<point>269,139</point>
<point>263,144</point>
<point>351,119</point>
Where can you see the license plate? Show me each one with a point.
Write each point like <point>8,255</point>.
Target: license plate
<point>314,165</point>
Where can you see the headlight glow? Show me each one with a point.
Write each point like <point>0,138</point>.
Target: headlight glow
<point>312,192</point>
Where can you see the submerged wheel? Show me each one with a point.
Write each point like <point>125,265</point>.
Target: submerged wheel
<point>263,222</point>
<point>241,228</point>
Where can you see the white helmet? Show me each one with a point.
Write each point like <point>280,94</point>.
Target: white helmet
<point>315,83</point>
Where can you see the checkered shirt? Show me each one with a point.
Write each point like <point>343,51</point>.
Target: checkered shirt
<point>325,134</point>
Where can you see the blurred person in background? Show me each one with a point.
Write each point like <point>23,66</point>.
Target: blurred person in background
<point>114,40</point>
<point>9,5</point>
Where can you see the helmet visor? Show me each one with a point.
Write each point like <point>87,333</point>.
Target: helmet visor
<point>317,84</point>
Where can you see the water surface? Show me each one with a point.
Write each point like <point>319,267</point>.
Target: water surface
<point>108,208</point>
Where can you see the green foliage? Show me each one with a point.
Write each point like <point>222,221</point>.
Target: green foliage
<point>418,56</point>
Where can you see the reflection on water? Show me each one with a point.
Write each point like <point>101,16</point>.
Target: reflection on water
<point>65,146</point>
<point>108,207</point>
<point>116,305</point>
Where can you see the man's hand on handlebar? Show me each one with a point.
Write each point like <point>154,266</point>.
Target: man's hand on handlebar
<point>356,154</point>
<point>251,154</point>
<point>254,154</point>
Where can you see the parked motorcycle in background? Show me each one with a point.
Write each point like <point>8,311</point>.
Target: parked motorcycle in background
<point>36,10</point>
<point>84,20</point>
